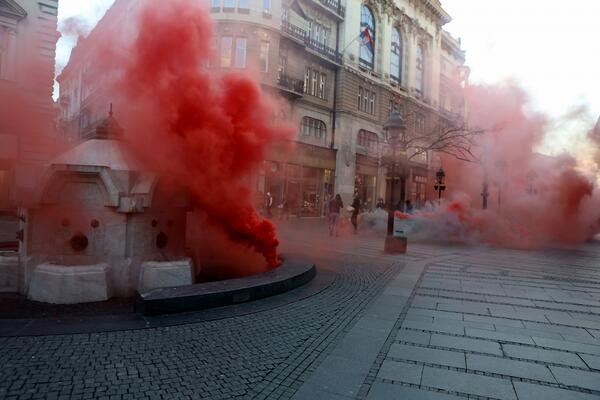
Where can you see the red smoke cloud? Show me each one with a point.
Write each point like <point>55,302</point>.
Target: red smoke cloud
<point>208,131</point>
<point>534,200</point>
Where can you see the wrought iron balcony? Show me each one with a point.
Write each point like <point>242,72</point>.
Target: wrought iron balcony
<point>293,31</point>
<point>290,84</point>
<point>334,6</point>
<point>323,50</point>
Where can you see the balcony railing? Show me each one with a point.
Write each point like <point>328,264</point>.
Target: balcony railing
<point>293,30</point>
<point>326,51</point>
<point>291,84</point>
<point>334,5</point>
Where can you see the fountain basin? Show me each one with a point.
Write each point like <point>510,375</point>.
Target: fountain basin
<point>61,284</point>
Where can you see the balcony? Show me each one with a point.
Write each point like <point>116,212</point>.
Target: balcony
<point>333,6</point>
<point>291,85</point>
<point>294,32</point>
<point>324,51</point>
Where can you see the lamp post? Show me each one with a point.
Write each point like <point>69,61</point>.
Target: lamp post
<point>440,185</point>
<point>395,134</point>
<point>485,193</point>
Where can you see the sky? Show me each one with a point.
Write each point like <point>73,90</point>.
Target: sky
<point>550,47</point>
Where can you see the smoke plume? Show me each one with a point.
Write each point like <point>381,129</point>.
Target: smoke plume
<point>207,130</point>
<point>532,200</point>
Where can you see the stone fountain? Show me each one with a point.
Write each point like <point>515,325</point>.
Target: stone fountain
<point>103,226</point>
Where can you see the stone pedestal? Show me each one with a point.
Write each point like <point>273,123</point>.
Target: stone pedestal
<point>9,272</point>
<point>60,284</point>
<point>395,245</point>
<point>160,274</point>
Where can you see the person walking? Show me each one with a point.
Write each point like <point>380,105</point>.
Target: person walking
<point>335,205</point>
<point>409,207</point>
<point>284,212</point>
<point>355,211</point>
<point>269,204</point>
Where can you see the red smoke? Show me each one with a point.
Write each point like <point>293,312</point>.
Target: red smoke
<point>208,131</point>
<point>534,200</point>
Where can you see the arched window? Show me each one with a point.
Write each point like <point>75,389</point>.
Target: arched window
<point>313,127</point>
<point>396,62</point>
<point>367,139</point>
<point>367,36</point>
<point>420,78</point>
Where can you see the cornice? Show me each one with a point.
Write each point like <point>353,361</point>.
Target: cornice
<point>12,9</point>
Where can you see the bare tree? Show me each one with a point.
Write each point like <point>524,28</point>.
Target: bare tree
<point>458,141</point>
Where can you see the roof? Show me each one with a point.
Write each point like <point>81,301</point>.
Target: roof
<point>112,154</point>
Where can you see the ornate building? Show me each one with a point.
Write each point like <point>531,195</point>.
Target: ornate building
<point>342,68</point>
<point>28,38</point>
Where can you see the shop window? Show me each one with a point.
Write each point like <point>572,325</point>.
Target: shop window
<point>215,5</point>
<point>313,127</point>
<point>368,140</point>
<point>267,7</point>
<point>243,6</point>
<point>229,5</point>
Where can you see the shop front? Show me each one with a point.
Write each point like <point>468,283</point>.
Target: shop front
<point>365,181</point>
<point>302,184</point>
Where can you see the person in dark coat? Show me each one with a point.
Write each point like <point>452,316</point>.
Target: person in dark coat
<point>409,207</point>
<point>335,205</point>
<point>355,211</point>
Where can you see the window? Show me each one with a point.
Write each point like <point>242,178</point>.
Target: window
<point>372,103</point>
<point>317,32</point>
<point>321,93</point>
<point>266,6</point>
<point>307,81</point>
<point>420,81</point>
<point>395,106</point>
<point>309,29</point>
<point>229,4</point>
<point>367,36</point>
<point>243,5</point>
<point>226,42</point>
<point>360,96</point>
<point>240,52</point>
<point>264,56</point>
<point>215,4</point>
<point>419,124</point>
<point>313,127</point>
<point>396,60</point>
<point>367,139</point>
<point>325,42</point>
<point>366,100</point>
<point>313,86</point>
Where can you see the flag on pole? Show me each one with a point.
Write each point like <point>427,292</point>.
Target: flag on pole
<point>367,38</point>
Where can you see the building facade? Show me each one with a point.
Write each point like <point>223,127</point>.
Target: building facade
<point>28,35</point>
<point>341,67</point>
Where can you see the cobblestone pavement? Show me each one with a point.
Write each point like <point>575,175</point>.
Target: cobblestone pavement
<point>475,323</point>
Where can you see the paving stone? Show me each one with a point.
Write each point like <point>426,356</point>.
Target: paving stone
<point>387,391</point>
<point>564,345</point>
<point>424,354</point>
<point>504,366</point>
<point>529,332</point>
<point>593,362</point>
<point>478,345</point>
<point>531,391</point>
<point>551,356</point>
<point>508,337</point>
<point>413,336</point>
<point>495,322</point>
<point>573,377</point>
<point>473,384</point>
<point>436,314</point>
<point>400,371</point>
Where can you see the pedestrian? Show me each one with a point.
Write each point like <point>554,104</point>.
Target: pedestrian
<point>409,207</point>
<point>335,205</point>
<point>269,204</point>
<point>355,210</point>
<point>380,203</point>
<point>284,212</point>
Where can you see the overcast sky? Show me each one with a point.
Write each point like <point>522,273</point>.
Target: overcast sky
<point>551,47</point>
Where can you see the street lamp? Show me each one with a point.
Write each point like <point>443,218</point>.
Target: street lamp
<point>440,185</point>
<point>395,134</point>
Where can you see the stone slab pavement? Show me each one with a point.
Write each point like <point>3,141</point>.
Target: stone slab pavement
<point>441,322</point>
